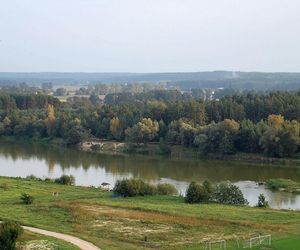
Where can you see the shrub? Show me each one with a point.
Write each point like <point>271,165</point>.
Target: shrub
<point>196,193</point>
<point>126,188</point>
<point>262,202</point>
<point>192,193</point>
<point>133,187</point>
<point>48,179</point>
<point>209,189</point>
<point>33,177</point>
<point>136,187</point>
<point>277,184</point>
<point>147,189</point>
<point>26,199</point>
<point>228,193</point>
<point>166,189</point>
<point>9,233</point>
<point>65,180</point>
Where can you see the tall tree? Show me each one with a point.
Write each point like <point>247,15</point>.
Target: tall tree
<point>115,127</point>
<point>50,121</point>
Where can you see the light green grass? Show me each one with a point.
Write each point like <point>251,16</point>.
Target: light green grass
<point>285,185</point>
<point>164,222</point>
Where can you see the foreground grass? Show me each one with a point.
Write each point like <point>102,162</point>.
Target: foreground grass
<point>37,242</point>
<point>164,222</point>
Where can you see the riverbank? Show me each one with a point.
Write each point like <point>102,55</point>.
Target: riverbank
<point>148,222</point>
<point>173,151</point>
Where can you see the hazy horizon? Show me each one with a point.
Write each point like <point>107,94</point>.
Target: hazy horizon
<point>144,72</point>
<point>141,36</point>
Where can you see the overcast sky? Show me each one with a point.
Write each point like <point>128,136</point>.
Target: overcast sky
<point>149,35</point>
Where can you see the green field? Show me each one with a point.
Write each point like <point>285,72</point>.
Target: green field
<point>152,222</point>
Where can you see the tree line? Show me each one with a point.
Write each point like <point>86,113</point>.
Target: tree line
<point>251,122</point>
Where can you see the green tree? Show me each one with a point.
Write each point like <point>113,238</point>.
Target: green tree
<point>262,202</point>
<point>115,127</point>
<point>50,121</point>
<point>228,193</point>
<point>281,140</point>
<point>144,131</point>
<point>197,193</point>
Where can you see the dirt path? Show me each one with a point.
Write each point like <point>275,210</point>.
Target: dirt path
<point>82,244</point>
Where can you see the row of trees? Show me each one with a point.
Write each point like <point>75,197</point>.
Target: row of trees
<point>184,122</point>
<point>170,105</point>
<point>275,136</point>
<point>12,101</point>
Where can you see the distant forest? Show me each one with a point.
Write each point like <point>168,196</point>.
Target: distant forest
<point>183,81</point>
<point>247,122</point>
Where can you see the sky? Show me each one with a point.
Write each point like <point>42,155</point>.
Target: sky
<point>149,35</point>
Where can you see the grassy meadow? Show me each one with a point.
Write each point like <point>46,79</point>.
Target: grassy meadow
<point>149,222</point>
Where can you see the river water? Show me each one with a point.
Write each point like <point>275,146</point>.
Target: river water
<point>93,169</point>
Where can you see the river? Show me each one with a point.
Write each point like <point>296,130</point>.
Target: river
<point>93,169</point>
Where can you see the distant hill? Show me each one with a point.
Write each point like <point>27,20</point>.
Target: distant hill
<point>183,80</point>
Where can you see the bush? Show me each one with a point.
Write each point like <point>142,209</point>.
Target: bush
<point>147,189</point>
<point>197,193</point>
<point>136,187</point>
<point>209,189</point>
<point>33,177</point>
<point>228,193</point>
<point>133,187</point>
<point>262,202</point>
<point>166,189</point>
<point>65,180</point>
<point>26,199</point>
<point>9,233</point>
<point>277,184</point>
<point>48,179</point>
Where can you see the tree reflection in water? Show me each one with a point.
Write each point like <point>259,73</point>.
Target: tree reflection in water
<point>91,169</point>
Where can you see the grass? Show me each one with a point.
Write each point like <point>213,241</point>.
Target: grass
<point>285,185</point>
<point>37,241</point>
<point>163,222</point>
<point>287,244</point>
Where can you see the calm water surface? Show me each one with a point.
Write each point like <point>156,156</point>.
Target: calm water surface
<point>93,169</point>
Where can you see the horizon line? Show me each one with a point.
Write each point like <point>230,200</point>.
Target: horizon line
<point>152,72</point>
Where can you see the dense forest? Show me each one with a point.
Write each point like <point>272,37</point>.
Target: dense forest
<point>251,122</point>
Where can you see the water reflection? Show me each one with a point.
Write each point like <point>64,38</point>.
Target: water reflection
<point>92,169</point>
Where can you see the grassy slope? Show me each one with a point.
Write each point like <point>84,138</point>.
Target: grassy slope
<point>141,222</point>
